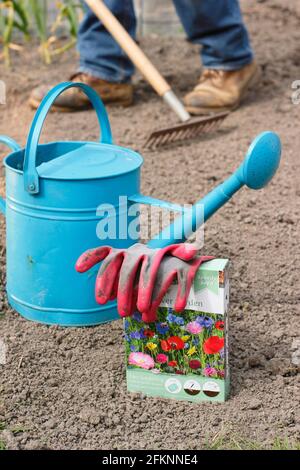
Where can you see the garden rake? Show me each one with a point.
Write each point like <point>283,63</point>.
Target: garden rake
<point>189,127</point>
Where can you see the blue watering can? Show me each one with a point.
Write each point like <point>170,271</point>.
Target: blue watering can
<point>52,194</point>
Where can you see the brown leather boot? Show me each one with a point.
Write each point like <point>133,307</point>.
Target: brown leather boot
<point>74,99</point>
<point>220,90</point>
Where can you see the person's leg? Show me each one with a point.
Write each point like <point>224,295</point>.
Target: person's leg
<point>103,64</point>
<point>100,55</point>
<point>227,58</point>
<point>218,27</point>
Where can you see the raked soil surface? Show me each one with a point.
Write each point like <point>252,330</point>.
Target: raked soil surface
<point>65,388</point>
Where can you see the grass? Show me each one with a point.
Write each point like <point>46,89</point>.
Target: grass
<point>15,430</point>
<point>18,430</point>
<point>222,442</point>
<point>218,442</point>
<point>2,443</point>
<point>285,444</point>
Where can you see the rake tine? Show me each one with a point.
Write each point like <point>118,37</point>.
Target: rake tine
<point>149,142</point>
<point>189,133</point>
<point>153,144</point>
<point>213,126</point>
<point>206,127</point>
<point>167,138</point>
<point>217,124</point>
<point>160,140</point>
<point>186,133</point>
<point>179,134</point>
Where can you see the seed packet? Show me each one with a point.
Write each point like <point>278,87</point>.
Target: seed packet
<point>184,356</point>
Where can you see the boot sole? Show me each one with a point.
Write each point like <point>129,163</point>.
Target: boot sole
<point>34,104</point>
<point>207,111</point>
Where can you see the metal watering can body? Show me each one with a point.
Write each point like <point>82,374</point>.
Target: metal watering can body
<point>51,218</point>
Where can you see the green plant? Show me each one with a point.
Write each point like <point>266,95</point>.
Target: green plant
<point>21,21</point>
<point>39,11</point>
<point>67,11</point>
<point>285,444</point>
<point>31,16</point>
<point>13,16</point>
<point>234,442</point>
<point>2,445</point>
<point>18,429</point>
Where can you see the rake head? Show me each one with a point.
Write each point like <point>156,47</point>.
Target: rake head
<point>187,130</point>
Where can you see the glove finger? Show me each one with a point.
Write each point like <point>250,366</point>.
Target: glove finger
<point>150,316</point>
<point>149,269</point>
<point>186,275</point>
<point>133,307</point>
<point>107,275</point>
<point>128,304</point>
<point>185,251</point>
<point>91,257</point>
<point>114,290</point>
<point>127,281</point>
<point>165,276</point>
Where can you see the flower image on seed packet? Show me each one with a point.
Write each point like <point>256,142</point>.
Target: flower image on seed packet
<point>183,355</point>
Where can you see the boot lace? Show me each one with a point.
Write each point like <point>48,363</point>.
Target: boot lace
<point>215,76</point>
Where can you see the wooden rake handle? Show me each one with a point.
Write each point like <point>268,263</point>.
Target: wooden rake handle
<point>129,46</point>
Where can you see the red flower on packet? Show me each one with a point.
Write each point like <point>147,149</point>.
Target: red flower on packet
<point>219,325</point>
<point>172,343</point>
<point>172,363</point>
<point>164,345</point>
<point>161,358</point>
<point>195,364</point>
<point>213,345</point>
<point>149,333</point>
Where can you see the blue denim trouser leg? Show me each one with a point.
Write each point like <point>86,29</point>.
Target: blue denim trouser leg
<point>217,25</point>
<point>100,55</point>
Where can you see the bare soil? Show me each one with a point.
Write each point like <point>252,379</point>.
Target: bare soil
<point>65,388</point>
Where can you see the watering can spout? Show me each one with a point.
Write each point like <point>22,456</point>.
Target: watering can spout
<point>15,147</point>
<point>257,169</point>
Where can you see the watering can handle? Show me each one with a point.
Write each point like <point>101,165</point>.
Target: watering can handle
<point>31,177</point>
<point>15,147</point>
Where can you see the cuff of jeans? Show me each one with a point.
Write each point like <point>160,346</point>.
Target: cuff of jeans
<point>229,66</point>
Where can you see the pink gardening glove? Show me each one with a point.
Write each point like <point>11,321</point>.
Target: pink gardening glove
<point>133,275</point>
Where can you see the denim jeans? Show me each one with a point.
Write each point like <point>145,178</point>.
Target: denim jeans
<point>216,25</point>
